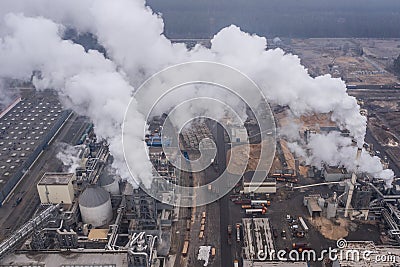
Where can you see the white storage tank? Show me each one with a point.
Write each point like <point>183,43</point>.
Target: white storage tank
<point>95,206</point>
<point>109,183</point>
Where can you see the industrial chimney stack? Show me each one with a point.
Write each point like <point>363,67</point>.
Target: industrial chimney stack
<point>352,184</point>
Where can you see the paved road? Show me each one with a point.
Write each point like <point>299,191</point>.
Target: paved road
<point>13,217</point>
<point>226,251</point>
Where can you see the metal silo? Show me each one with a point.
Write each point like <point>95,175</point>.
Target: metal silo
<point>331,210</point>
<point>109,183</point>
<point>95,206</point>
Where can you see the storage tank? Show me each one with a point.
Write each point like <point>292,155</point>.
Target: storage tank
<point>95,206</point>
<point>109,183</point>
<point>331,209</point>
<point>321,202</point>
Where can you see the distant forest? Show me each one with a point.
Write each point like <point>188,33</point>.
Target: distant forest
<point>283,18</point>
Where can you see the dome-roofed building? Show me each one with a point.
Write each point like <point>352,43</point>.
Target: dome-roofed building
<point>95,206</point>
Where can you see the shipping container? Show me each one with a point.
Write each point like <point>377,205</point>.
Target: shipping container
<point>201,235</point>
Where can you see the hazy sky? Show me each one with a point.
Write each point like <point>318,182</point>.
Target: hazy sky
<point>285,18</point>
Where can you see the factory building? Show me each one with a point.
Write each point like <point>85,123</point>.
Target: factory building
<point>94,216</point>
<point>314,204</point>
<point>26,128</point>
<point>239,135</point>
<point>56,188</point>
<point>334,174</point>
<point>193,135</point>
<point>267,186</point>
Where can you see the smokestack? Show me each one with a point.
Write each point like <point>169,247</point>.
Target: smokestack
<point>352,184</point>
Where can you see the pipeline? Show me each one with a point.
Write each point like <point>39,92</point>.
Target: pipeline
<point>25,230</point>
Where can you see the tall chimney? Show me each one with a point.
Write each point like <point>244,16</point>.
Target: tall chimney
<point>352,184</point>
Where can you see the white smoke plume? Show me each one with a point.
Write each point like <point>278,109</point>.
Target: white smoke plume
<point>69,156</point>
<point>132,35</point>
<point>90,84</point>
<point>336,150</point>
<point>6,96</point>
<point>290,130</point>
<point>4,99</point>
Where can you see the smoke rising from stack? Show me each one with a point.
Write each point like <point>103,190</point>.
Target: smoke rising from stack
<point>69,156</point>
<point>336,150</point>
<point>133,37</point>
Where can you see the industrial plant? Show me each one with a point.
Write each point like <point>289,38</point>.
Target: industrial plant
<point>122,147</point>
<point>90,210</point>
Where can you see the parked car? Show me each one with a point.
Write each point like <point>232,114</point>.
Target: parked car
<point>283,234</point>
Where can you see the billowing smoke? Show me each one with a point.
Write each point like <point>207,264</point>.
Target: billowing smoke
<point>132,35</point>
<point>6,96</point>
<point>69,156</point>
<point>4,99</point>
<point>88,82</point>
<point>336,150</point>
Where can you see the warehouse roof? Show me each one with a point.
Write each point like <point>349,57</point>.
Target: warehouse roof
<point>23,127</point>
<point>98,234</point>
<point>334,169</point>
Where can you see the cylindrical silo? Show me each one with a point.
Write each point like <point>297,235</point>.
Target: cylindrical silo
<point>109,183</point>
<point>95,206</point>
<point>331,209</point>
<point>321,202</point>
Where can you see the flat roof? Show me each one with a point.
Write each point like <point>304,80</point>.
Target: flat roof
<point>333,169</point>
<point>56,178</point>
<point>23,128</point>
<point>98,234</point>
<point>314,205</point>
